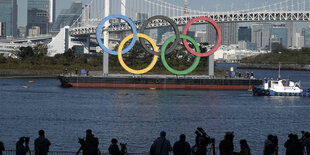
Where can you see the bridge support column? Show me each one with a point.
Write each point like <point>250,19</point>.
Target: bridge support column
<point>106,40</point>
<point>87,45</point>
<point>211,66</point>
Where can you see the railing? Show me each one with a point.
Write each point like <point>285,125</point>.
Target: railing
<point>12,152</point>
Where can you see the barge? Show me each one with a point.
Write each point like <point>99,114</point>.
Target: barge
<point>158,82</point>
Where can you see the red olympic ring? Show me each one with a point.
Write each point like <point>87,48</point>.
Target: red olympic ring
<point>219,36</point>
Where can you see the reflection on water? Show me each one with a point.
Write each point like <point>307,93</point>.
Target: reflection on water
<point>137,116</point>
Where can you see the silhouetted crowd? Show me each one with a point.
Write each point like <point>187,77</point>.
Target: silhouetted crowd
<point>161,146</point>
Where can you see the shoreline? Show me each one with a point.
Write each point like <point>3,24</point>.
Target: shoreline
<point>297,67</point>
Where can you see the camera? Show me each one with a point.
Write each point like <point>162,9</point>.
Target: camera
<point>81,141</point>
<point>200,132</point>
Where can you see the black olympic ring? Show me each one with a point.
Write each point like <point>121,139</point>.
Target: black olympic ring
<point>175,28</point>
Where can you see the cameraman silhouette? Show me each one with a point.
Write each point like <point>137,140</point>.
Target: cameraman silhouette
<point>227,146</point>
<point>22,149</point>
<point>41,144</point>
<point>89,145</point>
<point>1,147</point>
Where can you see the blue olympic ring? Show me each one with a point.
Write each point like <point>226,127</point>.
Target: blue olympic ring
<point>132,25</point>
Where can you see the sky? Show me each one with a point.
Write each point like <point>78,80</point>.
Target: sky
<point>206,5</point>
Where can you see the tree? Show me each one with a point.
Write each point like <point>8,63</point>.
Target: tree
<point>40,50</point>
<point>25,52</point>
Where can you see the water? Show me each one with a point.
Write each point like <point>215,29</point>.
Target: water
<point>137,116</point>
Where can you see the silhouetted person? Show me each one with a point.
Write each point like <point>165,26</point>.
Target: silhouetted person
<point>161,145</point>
<point>22,149</point>
<point>227,146</point>
<point>306,142</point>
<point>41,144</point>
<point>292,145</point>
<point>244,148</point>
<point>76,71</point>
<point>271,145</point>
<point>200,147</point>
<point>114,149</point>
<point>1,148</point>
<point>89,145</point>
<point>181,147</point>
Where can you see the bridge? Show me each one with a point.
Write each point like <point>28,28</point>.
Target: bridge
<point>288,10</point>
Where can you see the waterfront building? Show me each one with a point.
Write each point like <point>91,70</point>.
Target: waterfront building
<point>141,17</point>
<point>244,33</point>
<point>41,13</point>
<point>201,36</point>
<point>306,34</point>
<point>275,42</point>
<point>291,34</point>
<point>280,32</point>
<point>161,31</point>
<point>2,30</point>
<point>21,32</point>
<point>300,41</point>
<point>67,16</point>
<point>261,35</point>
<point>229,33</point>
<point>34,31</point>
<point>8,15</point>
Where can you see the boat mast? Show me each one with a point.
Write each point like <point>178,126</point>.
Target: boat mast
<point>279,74</point>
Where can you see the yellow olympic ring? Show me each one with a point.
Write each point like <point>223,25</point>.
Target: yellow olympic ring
<point>142,71</point>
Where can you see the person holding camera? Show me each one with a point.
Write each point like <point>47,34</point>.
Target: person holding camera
<point>89,145</point>
<point>181,147</point>
<point>271,145</point>
<point>306,142</point>
<point>41,144</point>
<point>114,149</point>
<point>227,146</point>
<point>161,145</point>
<point>1,147</point>
<point>22,149</point>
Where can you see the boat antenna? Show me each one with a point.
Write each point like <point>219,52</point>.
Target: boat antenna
<point>279,74</point>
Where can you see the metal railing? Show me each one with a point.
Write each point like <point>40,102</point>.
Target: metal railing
<point>13,152</point>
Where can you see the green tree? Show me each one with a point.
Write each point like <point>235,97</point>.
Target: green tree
<point>25,52</point>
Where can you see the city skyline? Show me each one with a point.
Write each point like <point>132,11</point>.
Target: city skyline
<point>223,5</point>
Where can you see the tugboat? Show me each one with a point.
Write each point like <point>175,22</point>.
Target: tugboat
<point>280,88</point>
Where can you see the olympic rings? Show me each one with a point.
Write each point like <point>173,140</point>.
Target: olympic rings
<point>219,36</point>
<point>163,52</point>
<point>188,70</point>
<point>175,28</point>
<point>120,58</point>
<point>134,31</point>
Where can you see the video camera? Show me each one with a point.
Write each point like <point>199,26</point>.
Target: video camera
<point>201,133</point>
<point>81,141</point>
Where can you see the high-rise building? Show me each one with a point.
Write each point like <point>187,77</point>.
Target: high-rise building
<point>141,17</point>
<point>229,33</point>
<point>21,32</point>
<point>261,35</point>
<point>34,31</point>
<point>8,15</point>
<point>306,33</point>
<point>291,33</point>
<point>41,13</point>
<point>67,16</point>
<point>2,30</point>
<point>299,41</point>
<point>244,34</point>
<point>201,36</point>
<point>280,32</point>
